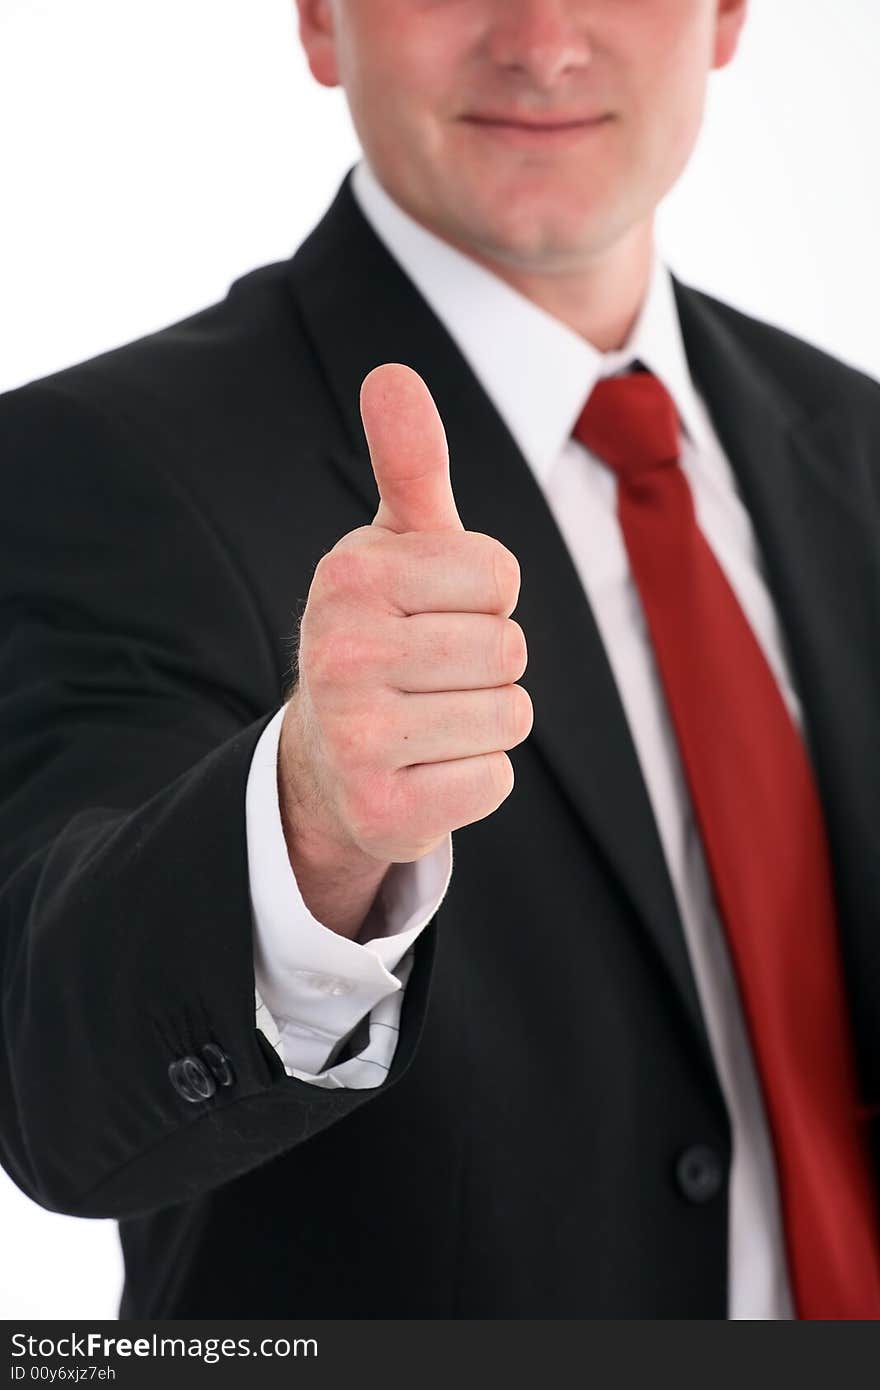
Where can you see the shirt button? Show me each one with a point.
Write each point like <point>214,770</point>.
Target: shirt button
<point>330,984</point>
<point>699,1173</point>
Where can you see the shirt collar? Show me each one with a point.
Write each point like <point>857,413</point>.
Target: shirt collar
<point>536,370</point>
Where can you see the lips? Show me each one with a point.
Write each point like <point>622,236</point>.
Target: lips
<point>535,135</point>
<point>535,124</point>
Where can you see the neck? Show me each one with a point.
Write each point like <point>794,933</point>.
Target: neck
<point>600,301</point>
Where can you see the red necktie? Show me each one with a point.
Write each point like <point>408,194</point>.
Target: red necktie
<point>761,826</point>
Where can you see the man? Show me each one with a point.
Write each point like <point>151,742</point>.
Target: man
<point>622,1059</point>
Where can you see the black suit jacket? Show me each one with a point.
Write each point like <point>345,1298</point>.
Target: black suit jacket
<point>164,507</point>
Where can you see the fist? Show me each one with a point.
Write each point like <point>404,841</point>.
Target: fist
<point>407,693</point>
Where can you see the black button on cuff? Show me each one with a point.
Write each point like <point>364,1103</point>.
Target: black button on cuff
<point>191,1079</point>
<point>220,1064</point>
<point>699,1173</point>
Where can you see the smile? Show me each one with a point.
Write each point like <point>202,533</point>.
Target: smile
<point>536,134</point>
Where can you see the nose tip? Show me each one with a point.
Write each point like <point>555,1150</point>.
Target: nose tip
<point>539,39</point>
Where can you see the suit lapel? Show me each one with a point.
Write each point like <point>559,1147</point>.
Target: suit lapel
<point>360,310</point>
<point>805,484</point>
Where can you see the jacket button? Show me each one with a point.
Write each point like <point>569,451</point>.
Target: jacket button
<point>699,1173</point>
<point>191,1079</point>
<point>220,1064</point>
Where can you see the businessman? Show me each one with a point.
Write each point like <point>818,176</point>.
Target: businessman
<point>261,680</point>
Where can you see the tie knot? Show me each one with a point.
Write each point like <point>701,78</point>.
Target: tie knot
<point>630,423</point>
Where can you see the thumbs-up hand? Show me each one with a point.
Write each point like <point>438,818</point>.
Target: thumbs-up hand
<point>406,697</point>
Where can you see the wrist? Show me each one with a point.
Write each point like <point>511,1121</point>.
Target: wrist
<point>337,880</point>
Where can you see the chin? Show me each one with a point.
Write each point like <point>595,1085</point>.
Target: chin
<point>519,223</point>
<point>538,238</point>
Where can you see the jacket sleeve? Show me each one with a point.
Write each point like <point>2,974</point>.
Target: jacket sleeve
<point>136,677</point>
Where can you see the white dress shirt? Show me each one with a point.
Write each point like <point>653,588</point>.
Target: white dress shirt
<point>313,986</point>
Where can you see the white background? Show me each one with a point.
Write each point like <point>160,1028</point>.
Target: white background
<point>153,150</point>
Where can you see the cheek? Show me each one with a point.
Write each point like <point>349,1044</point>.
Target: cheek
<point>667,116</point>
<point>685,122</point>
<point>402,92</point>
<point>667,83</point>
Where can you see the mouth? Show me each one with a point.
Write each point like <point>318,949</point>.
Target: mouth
<point>535,132</point>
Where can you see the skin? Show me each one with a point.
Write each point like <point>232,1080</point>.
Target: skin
<point>565,217</point>
<point>537,137</point>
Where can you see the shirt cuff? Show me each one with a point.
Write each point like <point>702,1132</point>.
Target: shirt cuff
<point>371,1065</point>
<point>316,984</point>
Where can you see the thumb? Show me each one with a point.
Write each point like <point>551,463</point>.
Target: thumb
<point>408,450</point>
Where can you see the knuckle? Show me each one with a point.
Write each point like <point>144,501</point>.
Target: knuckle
<point>368,806</point>
<point>516,715</point>
<point>361,535</point>
<point>341,657</point>
<point>525,712</point>
<point>323,660</point>
<point>506,576</point>
<point>505,717</point>
<point>499,772</point>
<point>359,741</point>
<point>514,653</point>
<point>344,572</point>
